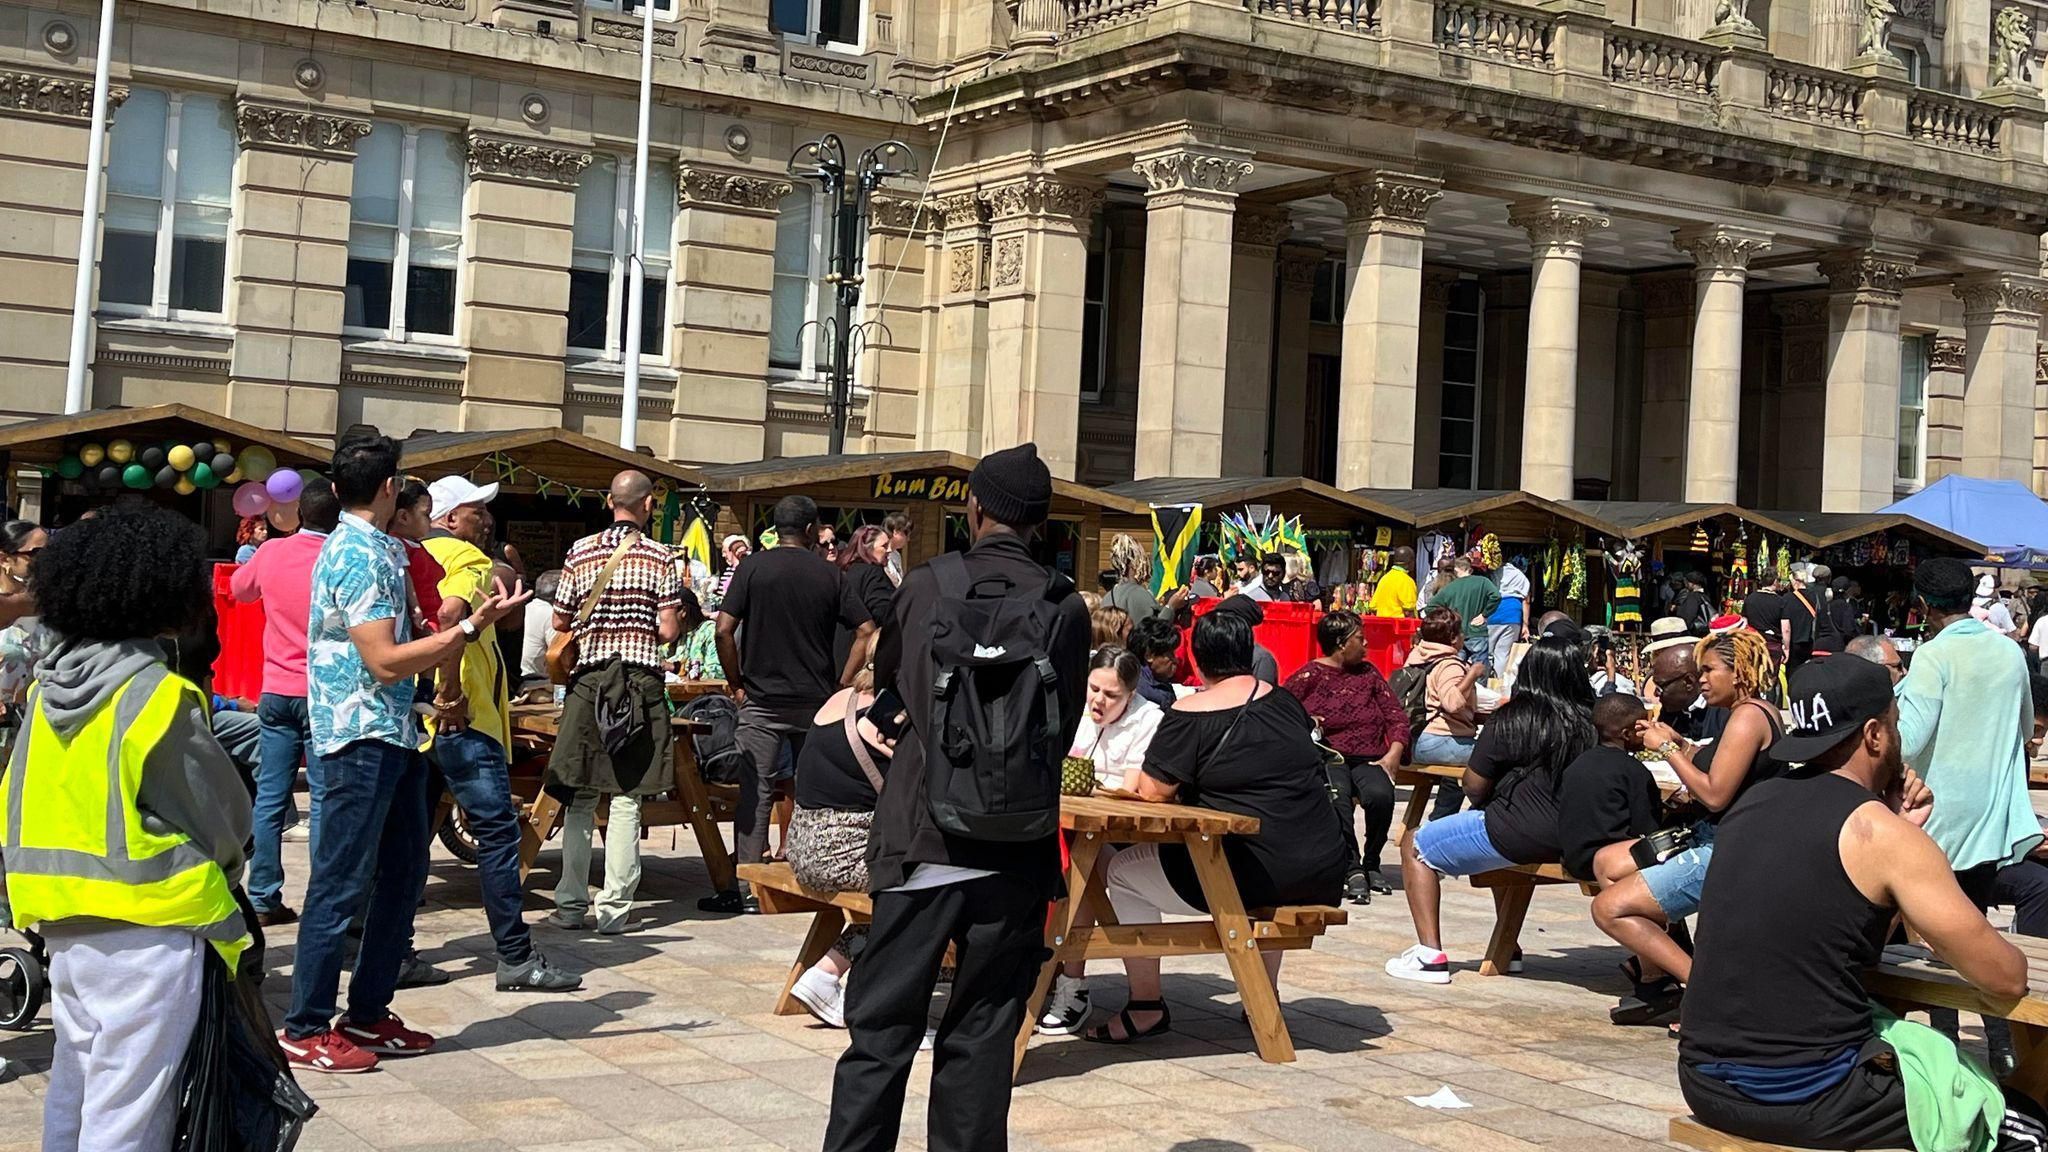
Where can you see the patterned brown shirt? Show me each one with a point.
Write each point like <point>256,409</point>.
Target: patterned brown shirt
<point>627,620</point>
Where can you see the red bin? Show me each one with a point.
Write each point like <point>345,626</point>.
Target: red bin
<point>1388,640</point>
<point>238,672</point>
<point>1289,633</point>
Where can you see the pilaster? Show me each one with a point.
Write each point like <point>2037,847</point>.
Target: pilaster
<point>1599,360</point>
<point>1248,382</point>
<point>953,411</point>
<point>1038,233</point>
<point>1437,284</point>
<point>1297,265</point>
<point>1383,230</point>
<point>1557,231</point>
<point>1946,358</point>
<point>1861,431</point>
<point>2001,319</point>
<point>1667,300</point>
<point>1721,256</point>
<point>892,314</point>
<point>724,289</point>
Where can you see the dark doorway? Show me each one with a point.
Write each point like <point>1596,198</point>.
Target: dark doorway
<point>1319,424</point>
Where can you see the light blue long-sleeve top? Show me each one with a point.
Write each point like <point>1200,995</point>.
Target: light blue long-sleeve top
<point>1965,714</point>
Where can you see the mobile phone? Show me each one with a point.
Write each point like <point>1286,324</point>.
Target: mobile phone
<point>887,713</point>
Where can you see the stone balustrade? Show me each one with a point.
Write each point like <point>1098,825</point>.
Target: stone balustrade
<point>1668,64</point>
<point>1953,122</point>
<point>1084,16</point>
<point>1508,33</point>
<point>1346,15</point>
<point>1801,92</point>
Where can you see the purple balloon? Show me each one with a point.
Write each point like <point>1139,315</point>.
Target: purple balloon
<point>284,485</point>
<point>251,499</point>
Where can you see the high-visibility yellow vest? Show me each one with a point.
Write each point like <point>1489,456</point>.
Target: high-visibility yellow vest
<point>76,845</point>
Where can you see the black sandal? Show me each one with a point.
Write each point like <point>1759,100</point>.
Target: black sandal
<point>1102,1035</point>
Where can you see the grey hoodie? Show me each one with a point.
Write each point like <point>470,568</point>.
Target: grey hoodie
<point>188,783</point>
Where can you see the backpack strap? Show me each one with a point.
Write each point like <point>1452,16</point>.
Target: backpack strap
<point>950,570</point>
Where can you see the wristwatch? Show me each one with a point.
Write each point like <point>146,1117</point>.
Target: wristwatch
<point>1666,748</point>
<point>469,631</point>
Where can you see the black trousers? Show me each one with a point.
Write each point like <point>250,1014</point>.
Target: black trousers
<point>2023,887</point>
<point>1365,782</point>
<point>997,927</point>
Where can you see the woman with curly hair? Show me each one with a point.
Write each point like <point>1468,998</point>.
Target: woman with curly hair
<point>249,536</point>
<point>128,918</point>
<point>1638,910</point>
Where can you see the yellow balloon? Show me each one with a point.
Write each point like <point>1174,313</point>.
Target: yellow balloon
<point>184,486</point>
<point>220,446</point>
<point>91,455</point>
<point>234,477</point>
<point>120,451</point>
<point>180,457</point>
<point>257,462</point>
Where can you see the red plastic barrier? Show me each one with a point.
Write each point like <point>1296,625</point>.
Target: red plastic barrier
<point>1388,640</point>
<point>1289,633</point>
<point>238,673</point>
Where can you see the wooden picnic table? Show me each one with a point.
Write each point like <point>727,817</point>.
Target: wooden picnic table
<point>1910,977</point>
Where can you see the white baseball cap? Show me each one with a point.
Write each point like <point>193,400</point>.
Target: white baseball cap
<point>452,492</point>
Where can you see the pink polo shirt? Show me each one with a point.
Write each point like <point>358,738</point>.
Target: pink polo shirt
<point>281,575</point>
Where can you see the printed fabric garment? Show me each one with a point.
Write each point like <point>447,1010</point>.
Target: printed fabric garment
<point>627,621</point>
<point>1627,590</point>
<point>359,578</point>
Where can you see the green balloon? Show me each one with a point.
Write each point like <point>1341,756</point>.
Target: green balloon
<point>70,468</point>
<point>135,476</point>
<point>202,475</point>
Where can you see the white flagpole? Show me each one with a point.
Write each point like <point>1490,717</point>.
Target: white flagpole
<point>89,218</point>
<point>636,266</point>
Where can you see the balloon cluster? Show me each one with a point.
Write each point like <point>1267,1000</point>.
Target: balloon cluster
<point>185,468</point>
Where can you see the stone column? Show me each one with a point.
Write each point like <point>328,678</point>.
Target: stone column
<point>1557,237</point>
<point>1039,234</point>
<point>725,282</point>
<point>1185,334</point>
<point>1860,451</point>
<point>1248,382</point>
<point>1802,396</point>
<point>888,364</point>
<point>1298,264</point>
<point>289,265</point>
<point>1382,308</point>
<point>1599,355</point>
<point>1660,427</point>
<point>519,208</point>
<point>1946,357</point>
<point>953,410</point>
<point>2001,318</point>
<point>1721,257</point>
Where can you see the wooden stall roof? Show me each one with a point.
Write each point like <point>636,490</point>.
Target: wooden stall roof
<point>1427,507</point>
<point>1289,495</point>
<point>556,453</point>
<point>796,472</point>
<point>1641,518</point>
<point>44,441</point>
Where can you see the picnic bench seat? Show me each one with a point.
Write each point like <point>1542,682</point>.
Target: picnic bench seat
<point>1693,1134</point>
<point>775,885</point>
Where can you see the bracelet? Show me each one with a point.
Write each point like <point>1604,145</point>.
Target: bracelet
<point>1668,747</point>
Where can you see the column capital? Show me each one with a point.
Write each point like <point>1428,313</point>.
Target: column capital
<point>1436,286</point>
<point>1298,264</point>
<point>1721,249</point>
<point>959,210</point>
<point>1193,170</point>
<point>275,128</point>
<point>1556,227</point>
<point>1992,297</point>
<point>1947,354</point>
<point>506,158</point>
<point>42,95</point>
<point>897,211</point>
<point>701,187</point>
<point>1801,311</point>
<point>1381,199</point>
<point>1261,226</point>
<point>1873,276</point>
<point>1043,195</point>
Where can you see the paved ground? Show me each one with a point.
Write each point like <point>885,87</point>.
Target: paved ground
<point>671,1045</point>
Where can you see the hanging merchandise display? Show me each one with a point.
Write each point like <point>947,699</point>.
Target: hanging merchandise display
<point>1738,571</point>
<point>1489,554</point>
<point>1575,574</point>
<point>1785,562</point>
<point>1625,565</point>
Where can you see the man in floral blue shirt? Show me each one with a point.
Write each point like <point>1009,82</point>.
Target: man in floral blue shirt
<point>370,783</point>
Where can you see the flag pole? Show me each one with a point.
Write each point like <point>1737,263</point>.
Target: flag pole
<point>636,264</point>
<point>89,218</point>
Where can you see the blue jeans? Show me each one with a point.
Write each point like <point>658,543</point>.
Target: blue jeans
<point>1437,748</point>
<point>369,820</point>
<point>1459,846</point>
<point>280,747</point>
<point>480,780</point>
<point>1676,883</point>
<point>1480,649</point>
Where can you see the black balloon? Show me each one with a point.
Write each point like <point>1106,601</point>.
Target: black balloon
<point>203,450</point>
<point>166,476</point>
<point>109,476</point>
<point>222,463</point>
<point>152,457</point>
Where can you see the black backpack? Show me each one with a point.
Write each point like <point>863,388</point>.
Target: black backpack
<point>718,751</point>
<point>993,747</point>
<point>1410,685</point>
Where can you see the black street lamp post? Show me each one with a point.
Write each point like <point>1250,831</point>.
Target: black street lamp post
<point>848,196</point>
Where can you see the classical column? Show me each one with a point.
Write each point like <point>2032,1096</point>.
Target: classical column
<point>1185,334</point>
<point>1382,307</point>
<point>1248,382</point>
<point>1557,237</point>
<point>1599,361</point>
<point>1721,257</point>
<point>293,173</point>
<point>892,312</point>
<point>1802,396</point>
<point>725,283</point>
<point>2001,316</point>
<point>1296,284</point>
<point>519,208</point>
<point>1859,454</point>
<point>1660,432</point>
<point>1038,269</point>
<point>953,410</point>
<point>1946,357</point>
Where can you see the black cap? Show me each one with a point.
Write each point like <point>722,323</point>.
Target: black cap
<point>1242,605</point>
<point>1014,486</point>
<point>1564,629</point>
<point>1831,700</point>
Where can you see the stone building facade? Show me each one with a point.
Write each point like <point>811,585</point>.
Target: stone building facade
<point>1785,252</point>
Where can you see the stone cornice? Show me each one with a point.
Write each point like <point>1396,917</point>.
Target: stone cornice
<point>1556,227</point>
<point>1260,226</point>
<point>1188,169</point>
<point>1396,201</point>
<point>1947,354</point>
<point>1720,249</point>
<point>272,128</point>
<point>503,158</point>
<point>1875,277</point>
<point>1042,195</point>
<point>2005,296</point>
<point>45,96</point>
<point>700,187</point>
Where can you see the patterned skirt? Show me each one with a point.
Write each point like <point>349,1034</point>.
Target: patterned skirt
<point>828,849</point>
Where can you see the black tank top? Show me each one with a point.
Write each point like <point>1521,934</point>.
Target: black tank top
<point>1784,935</point>
<point>829,777</point>
<point>1760,769</point>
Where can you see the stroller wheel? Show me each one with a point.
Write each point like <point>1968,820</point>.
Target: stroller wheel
<point>21,988</point>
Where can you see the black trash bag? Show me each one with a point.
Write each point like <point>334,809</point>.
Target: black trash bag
<point>236,1092</point>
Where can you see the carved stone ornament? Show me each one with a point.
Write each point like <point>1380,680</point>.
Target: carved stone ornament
<point>2012,47</point>
<point>1193,170</point>
<point>1041,195</point>
<point>1260,226</point>
<point>2001,296</point>
<point>896,211</point>
<point>54,97</point>
<point>1806,360</point>
<point>703,187</point>
<point>497,158</point>
<point>1874,276</point>
<point>1717,248</point>
<point>963,269</point>
<point>1734,14</point>
<point>1009,262</point>
<point>960,209</point>
<point>1436,287</point>
<point>1947,354</point>
<point>271,128</point>
<point>1876,37</point>
<point>1556,227</point>
<point>1801,311</point>
<point>2040,369</point>
<point>621,30</point>
<point>1298,266</point>
<point>1392,200</point>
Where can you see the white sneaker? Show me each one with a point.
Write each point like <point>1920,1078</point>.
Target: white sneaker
<point>823,994</point>
<point>1067,1008</point>
<point>1423,965</point>
<point>296,834</point>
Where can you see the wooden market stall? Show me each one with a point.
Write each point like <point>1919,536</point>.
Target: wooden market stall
<point>1335,525</point>
<point>931,486</point>
<point>1559,546</point>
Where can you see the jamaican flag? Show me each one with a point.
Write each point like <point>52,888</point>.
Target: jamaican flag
<point>1174,530</point>
<point>696,541</point>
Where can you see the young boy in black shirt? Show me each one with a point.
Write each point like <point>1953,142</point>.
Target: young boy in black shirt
<point>1608,798</point>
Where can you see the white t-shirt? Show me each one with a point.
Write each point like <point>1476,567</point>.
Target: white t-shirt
<point>1120,745</point>
<point>2039,637</point>
<point>533,643</point>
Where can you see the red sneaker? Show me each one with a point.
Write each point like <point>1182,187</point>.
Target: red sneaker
<point>328,1051</point>
<point>387,1037</point>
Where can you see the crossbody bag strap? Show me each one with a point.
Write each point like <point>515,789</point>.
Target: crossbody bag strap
<point>1216,753</point>
<point>860,747</point>
<point>604,578</point>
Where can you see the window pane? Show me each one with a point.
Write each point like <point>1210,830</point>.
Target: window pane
<point>793,237</point>
<point>127,266</point>
<point>1909,444</point>
<point>839,22</point>
<point>1095,279</point>
<point>791,17</point>
<point>659,239</point>
<point>1091,349</point>
<point>199,269</point>
<point>1913,371</point>
<point>594,205</point>
<point>135,162</point>
<point>206,153</point>
<point>588,291</point>
<point>1461,330</point>
<point>373,198</point>
<point>437,183</point>
<point>1461,365</point>
<point>1458,403</point>
<point>1465,296</point>
<point>786,322</point>
<point>1454,472</point>
<point>1457,437</point>
<point>436,249</point>
<point>653,316</point>
<point>366,302</point>
<point>430,300</point>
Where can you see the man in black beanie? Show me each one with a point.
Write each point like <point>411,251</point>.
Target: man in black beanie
<point>932,887</point>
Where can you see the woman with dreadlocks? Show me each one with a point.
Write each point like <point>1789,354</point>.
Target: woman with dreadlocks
<point>1133,591</point>
<point>1637,911</point>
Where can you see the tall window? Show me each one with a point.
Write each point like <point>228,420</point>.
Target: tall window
<point>1326,294</point>
<point>827,23</point>
<point>795,336</point>
<point>1914,60</point>
<point>603,241</point>
<point>1458,425</point>
<point>405,234</point>
<point>1912,469</point>
<point>170,178</point>
<point>1095,314</point>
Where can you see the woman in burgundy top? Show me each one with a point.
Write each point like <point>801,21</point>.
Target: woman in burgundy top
<point>1361,718</point>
